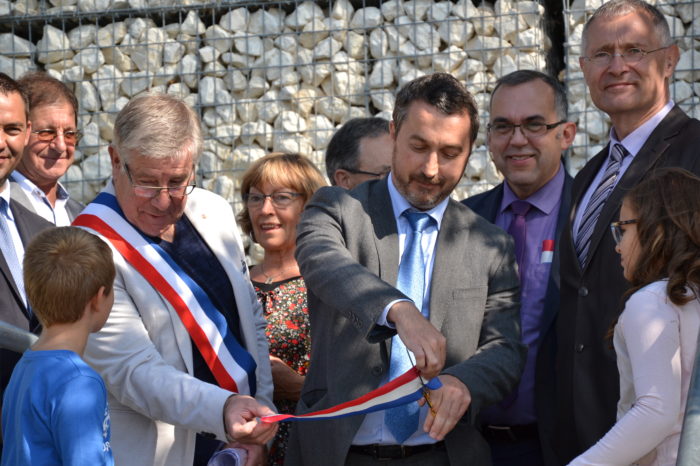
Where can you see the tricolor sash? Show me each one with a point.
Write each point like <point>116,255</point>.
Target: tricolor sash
<point>404,389</point>
<point>232,366</point>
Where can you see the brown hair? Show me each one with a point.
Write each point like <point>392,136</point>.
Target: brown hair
<point>64,269</point>
<point>43,90</point>
<point>8,86</point>
<point>293,171</point>
<point>667,207</point>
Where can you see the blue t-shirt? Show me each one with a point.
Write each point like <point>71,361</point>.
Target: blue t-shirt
<point>55,412</point>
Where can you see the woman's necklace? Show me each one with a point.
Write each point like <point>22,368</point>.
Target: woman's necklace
<point>268,278</point>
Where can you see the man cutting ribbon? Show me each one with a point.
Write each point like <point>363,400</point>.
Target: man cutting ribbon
<point>183,352</point>
<point>398,274</point>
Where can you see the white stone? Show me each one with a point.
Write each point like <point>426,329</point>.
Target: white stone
<point>225,106</point>
<point>90,58</point>
<point>208,162</point>
<point>484,22</point>
<point>315,74</point>
<point>148,54</point>
<point>364,18</point>
<point>303,14</point>
<point>105,121</point>
<point>95,166</point>
<point>327,48</point>
<point>258,132</point>
<point>172,30</point>
<point>15,68</point>
<point>5,8</point>
<point>173,51</point>
<point>285,143</point>
<point>392,9</point>
<point>90,142</point>
<point>164,76</point>
<point>82,36</point>
<point>191,43</point>
<point>179,90</point>
<point>136,83</point>
<point>681,91</point>
<point>73,74</point>
<point>108,80</point>
<point>235,80</point>
<point>378,43</point>
<point>576,90</point>
<point>227,133</point>
<point>594,122</point>
<point>303,100</point>
<point>137,27</point>
<point>269,106</point>
<point>192,25</point>
<point>248,44</point>
<point>686,10</point>
<point>264,22</point>
<point>455,31</point>
<point>394,38</point>
<point>484,48</point>
<point>320,131</point>
<point>332,107</point>
<point>383,100</point>
<point>687,68</point>
<point>219,38</point>
<point>278,63</point>
<point>416,9</point>
<point>288,43</point>
<point>290,122</point>
<point>235,20</point>
<point>14,46</point>
<point>439,11</point>
<point>355,45</point>
<point>246,110</point>
<point>114,56</point>
<point>406,73</point>
<point>187,69</point>
<point>465,9</point>
<point>209,88</point>
<point>354,112</point>
<point>694,28</point>
<point>234,59</point>
<point>54,46</point>
<point>208,54</point>
<point>111,34</point>
<point>342,9</point>
<point>449,60</point>
<point>382,75</point>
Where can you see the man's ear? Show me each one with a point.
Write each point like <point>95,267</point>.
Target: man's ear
<point>342,178</point>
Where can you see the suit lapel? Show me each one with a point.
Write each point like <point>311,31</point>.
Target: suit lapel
<point>656,145</point>
<point>385,231</point>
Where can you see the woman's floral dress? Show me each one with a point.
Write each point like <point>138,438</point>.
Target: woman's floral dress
<point>287,314</point>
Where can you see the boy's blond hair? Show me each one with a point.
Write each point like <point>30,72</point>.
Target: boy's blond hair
<point>64,269</point>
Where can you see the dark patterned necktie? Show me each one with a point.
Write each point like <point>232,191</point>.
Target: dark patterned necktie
<point>595,205</point>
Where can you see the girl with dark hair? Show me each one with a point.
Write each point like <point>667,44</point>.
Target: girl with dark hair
<point>655,338</point>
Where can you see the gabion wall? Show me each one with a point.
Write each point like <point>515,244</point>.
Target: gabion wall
<point>265,76</point>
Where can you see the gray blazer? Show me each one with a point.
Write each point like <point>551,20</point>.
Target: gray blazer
<point>72,206</point>
<point>347,248</point>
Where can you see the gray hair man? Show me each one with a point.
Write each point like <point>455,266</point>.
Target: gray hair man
<point>186,332</point>
<point>628,60</point>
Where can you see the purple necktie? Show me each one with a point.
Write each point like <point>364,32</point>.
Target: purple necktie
<point>518,230</point>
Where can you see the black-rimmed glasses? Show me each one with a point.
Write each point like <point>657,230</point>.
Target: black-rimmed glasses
<point>528,128</point>
<point>617,231</point>
<point>281,199</point>
<point>152,191</point>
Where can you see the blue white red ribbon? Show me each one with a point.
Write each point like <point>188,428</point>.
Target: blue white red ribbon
<point>232,366</point>
<point>547,251</point>
<point>404,389</point>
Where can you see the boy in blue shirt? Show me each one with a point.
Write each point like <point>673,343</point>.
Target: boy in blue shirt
<point>55,409</point>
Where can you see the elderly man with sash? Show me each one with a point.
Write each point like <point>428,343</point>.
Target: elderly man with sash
<point>183,352</point>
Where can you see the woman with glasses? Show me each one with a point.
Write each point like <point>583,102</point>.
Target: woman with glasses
<point>275,189</point>
<point>655,338</point>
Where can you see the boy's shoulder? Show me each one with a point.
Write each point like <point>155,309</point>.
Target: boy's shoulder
<point>57,366</point>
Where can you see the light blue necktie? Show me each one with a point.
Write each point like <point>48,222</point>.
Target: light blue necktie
<point>8,249</point>
<point>402,421</point>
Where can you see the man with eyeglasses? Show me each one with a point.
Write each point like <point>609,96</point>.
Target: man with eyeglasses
<point>18,225</point>
<point>53,110</point>
<point>628,59</point>
<point>527,135</point>
<point>359,151</point>
<point>183,353</point>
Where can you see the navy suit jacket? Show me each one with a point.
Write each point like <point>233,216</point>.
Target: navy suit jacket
<point>487,205</point>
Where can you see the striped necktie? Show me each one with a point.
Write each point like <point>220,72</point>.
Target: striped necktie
<point>597,201</point>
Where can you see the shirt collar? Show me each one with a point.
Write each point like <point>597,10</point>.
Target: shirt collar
<point>636,139</point>
<point>545,199</point>
<point>5,194</point>
<point>29,186</point>
<point>400,204</point>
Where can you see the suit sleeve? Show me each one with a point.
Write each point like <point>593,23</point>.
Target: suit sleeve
<point>494,370</point>
<point>329,268</point>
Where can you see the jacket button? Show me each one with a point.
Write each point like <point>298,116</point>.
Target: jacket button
<point>579,348</point>
<point>377,370</point>
<point>583,291</point>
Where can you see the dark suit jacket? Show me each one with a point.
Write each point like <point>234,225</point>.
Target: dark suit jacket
<point>487,205</point>
<point>72,206</point>
<point>347,248</point>
<point>592,298</point>
<point>12,308</point>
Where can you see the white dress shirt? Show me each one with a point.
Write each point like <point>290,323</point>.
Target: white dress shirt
<point>58,215</point>
<point>12,226</point>
<point>373,429</point>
